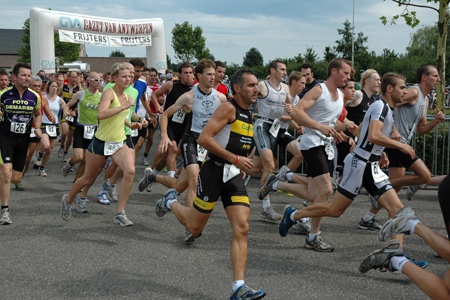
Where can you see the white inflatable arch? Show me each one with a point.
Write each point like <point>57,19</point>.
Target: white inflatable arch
<point>84,29</point>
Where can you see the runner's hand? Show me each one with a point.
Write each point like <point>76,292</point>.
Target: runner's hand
<point>244,164</point>
<point>407,149</point>
<point>38,132</point>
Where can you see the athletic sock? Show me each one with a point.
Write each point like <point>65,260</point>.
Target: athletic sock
<point>171,173</point>
<point>368,216</point>
<point>274,185</point>
<point>41,167</point>
<point>266,203</point>
<point>5,207</point>
<point>169,203</point>
<point>289,176</point>
<point>237,284</point>
<point>398,262</point>
<point>312,236</point>
<point>412,224</point>
<point>145,154</point>
<point>292,216</point>
<point>304,220</point>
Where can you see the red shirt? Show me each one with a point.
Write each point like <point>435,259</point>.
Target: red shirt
<point>154,88</point>
<point>224,90</point>
<point>343,115</point>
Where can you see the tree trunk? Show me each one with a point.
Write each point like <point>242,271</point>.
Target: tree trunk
<point>441,49</point>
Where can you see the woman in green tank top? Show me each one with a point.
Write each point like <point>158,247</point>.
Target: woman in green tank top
<point>109,141</point>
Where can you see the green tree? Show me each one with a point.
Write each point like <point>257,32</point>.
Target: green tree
<point>117,53</point>
<point>169,63</point>
<point>329,54</point>
<point>442,25</point>
<point>253,58</point>
<point>188,42</point>
<point>63,51</point>
<point>310,55</point>
<point>344,45</point>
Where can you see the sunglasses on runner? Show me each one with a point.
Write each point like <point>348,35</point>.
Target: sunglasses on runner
<point>96,80</point>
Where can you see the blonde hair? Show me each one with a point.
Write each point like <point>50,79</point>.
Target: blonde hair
<point>117,67</point>
<point>366,75</point>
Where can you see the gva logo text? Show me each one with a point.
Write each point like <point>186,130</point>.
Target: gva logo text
<point>161,64</point>
<point>67,22</point>
<point>47,64</point>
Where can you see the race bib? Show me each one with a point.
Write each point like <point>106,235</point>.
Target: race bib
<point>18,127</point>
<point>229,172</point>
<point>377,174</point>
<point>134,132</point>
<point>275,127</point>
<point>178,117</point>
<point>89,132</point>
<point>32,134</point>
<point>329,150</point>
<point>69,119</point>
<point>51,130</point>
<point>201,153</point>
<point>112,147</point>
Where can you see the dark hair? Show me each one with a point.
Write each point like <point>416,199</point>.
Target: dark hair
<point>337,64</point>
<point>307,66</point>
<point>17,67</point>
<point>146,69</point>
<point>238,78</point>
<point>424,69</point>
<point>390,79</point>
<point>274,64</point>
<point>47,88</point>
<point>137,62</point>
<point>184,65</point>
<point>3,72</point>
<point>219,63</point>
<point>202,65</point>
<point>153,70</point>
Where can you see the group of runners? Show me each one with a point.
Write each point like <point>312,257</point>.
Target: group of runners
<point>213,128</point>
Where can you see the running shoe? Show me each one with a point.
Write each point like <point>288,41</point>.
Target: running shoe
<point>270,215</point>
<point>300,227</point>
<point>369,225</point>
<point>286,222</point>
<point>266,188</point>
<point>190,238</point>
<point>5,218</point>
<point>38,160</point>
<point>381,259</point>
<point>422,264</point>
<point>122,219</point>
<point>66,169</point>
<point>161,205</point>
<point>285,193</point>
<point>35,167</point>
<point>82,204</point>
<point>108,163</point>
<point>110,190</point>
<point>412,190</point>
<point>19,186</point>
<point>246,292</point>
<point>149,188</point>
<point>318,244</point>
<point>65,209</point>
<point>102,198</point>
<point>397,225</point>
<point>42,172</point>
<point>145,161</point>
<point>66,157</point>
<point>281,173</point>
<point>61,152</point>
<point>143,182</point>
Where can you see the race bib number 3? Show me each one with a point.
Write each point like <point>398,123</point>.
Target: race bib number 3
<point>18,127</point>
<point>275,127</point>
<point>89,132</point>
<point>178,117</point>
<point>51,130</point>
<point>377,174</point>
<point>201,153</point>
<point>112,147</point>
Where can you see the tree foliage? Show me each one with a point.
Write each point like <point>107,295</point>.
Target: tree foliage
<point>188,42</point>
<point>117,53</point>
<point>64,52</point>
<point>253,58</point>
<point>344,45</point>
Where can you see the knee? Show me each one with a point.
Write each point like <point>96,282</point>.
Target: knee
<point>425,177</point>
<point>335,212</point>
<point>326,192</point>
<point>129,172</point>
<point>241,229</point>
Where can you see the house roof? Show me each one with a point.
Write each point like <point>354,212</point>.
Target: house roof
<point>11,41</point>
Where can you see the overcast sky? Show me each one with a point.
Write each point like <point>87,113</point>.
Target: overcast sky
<point>277,28</point>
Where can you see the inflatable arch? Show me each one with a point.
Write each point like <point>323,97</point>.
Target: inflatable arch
<point>84,29</point>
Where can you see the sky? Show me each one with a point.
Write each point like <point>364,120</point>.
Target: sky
<point>277,28</point>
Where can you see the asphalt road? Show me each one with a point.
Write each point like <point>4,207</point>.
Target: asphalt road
<point>88,257</point>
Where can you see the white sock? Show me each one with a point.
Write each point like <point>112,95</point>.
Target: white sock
<point>289,176</point>
<point>304,220</point>
<point>237,284</point>
<point>412,224</point>
<point>368,216</point>
<point>292,216</point>
<point>169,202</point>
<point>274,185</point>
<point>171,173</point>
<point>266,203</point>
<point>398,262</point>
<point>312,236</point>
